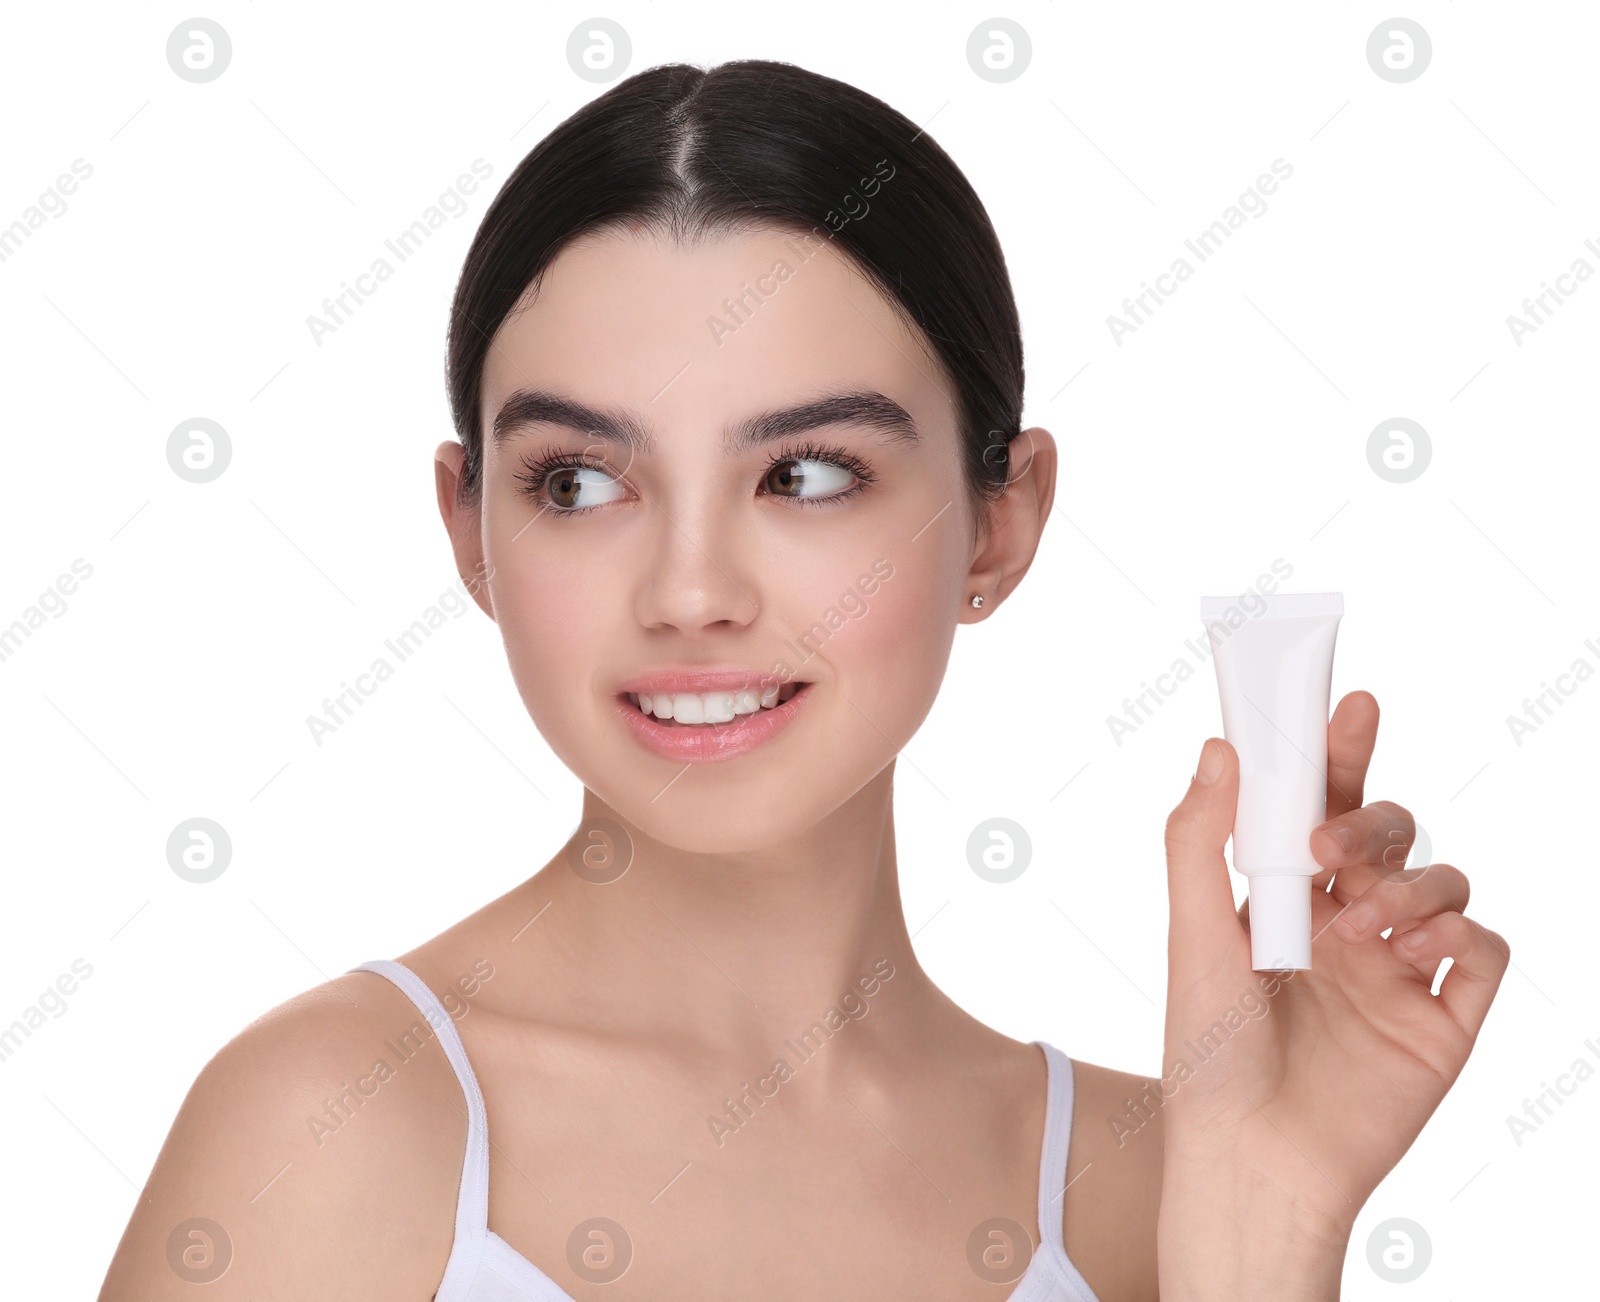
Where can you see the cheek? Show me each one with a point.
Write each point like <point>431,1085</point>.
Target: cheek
<point>885,634</point>
<point>551,611</point>
<point>914,635</point>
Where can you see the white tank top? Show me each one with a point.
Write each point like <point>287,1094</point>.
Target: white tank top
<point>483,1267</point>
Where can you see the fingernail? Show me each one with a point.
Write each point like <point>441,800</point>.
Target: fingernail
<point>1413,940</point>
<point>1210,763</point>
<point>1357,919</point>
<point>1345,836</point>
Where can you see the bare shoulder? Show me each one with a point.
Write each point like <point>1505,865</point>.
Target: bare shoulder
<point>1114,1179</point>
<point>317,1155</point>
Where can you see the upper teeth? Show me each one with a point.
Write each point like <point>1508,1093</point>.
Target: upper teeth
<point>711,707</point>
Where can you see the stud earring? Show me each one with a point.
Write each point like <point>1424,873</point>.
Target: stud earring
<point>977,602</point>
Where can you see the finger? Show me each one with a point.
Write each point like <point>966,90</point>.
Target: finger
<point>1402,901</point>
<point>1363,846</point>
<point>1352,733</point>
<point>1427,967</point>
<point>1479,958</point>
<point>1202,922</point>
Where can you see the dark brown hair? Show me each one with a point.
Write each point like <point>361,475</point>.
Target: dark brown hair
<point>691,152</point>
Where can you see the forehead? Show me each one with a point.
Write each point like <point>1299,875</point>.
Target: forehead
<point>692,335</point>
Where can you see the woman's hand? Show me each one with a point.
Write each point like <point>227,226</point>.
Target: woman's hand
<point>1289,1096</point>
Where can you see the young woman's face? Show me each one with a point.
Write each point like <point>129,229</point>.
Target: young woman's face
<point>824,553</point>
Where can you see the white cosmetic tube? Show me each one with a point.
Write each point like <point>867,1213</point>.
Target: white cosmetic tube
<point>1274,658</point>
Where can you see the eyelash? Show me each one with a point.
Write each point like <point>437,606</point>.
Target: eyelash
<point>540,466</point>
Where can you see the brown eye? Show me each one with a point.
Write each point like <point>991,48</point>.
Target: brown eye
<point>563,486</point>
<point>568,483</point>
<point>804,478</point>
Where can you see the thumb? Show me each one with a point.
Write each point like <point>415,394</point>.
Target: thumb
<point>1203,924</point>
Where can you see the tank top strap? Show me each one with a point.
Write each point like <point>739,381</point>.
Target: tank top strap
<point>1055,1150</point>
<point>472,1201</point>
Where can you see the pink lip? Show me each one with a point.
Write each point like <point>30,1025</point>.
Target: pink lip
<point>708,743</point>
<point>703,680</point>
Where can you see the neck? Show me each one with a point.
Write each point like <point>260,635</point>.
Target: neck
<point>739,954</point>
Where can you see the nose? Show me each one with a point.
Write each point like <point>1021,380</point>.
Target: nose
<point>696,576</point>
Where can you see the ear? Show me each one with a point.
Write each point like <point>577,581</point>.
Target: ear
<point>1005,547</point>
<point>464,524</point>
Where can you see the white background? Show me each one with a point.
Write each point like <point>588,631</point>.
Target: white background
<point>1228,431</point>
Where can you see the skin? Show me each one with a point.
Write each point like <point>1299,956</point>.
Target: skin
<point>758,890</point>
<point>1272,1151</point>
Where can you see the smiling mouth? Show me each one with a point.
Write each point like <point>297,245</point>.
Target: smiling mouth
<point>711,709</point>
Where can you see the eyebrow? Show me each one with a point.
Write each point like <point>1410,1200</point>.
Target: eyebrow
<point>535,406</point>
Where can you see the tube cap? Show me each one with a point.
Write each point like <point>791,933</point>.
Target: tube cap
<point>1280,922</point>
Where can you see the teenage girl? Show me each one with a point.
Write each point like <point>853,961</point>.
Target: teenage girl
<point>736,375</point>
